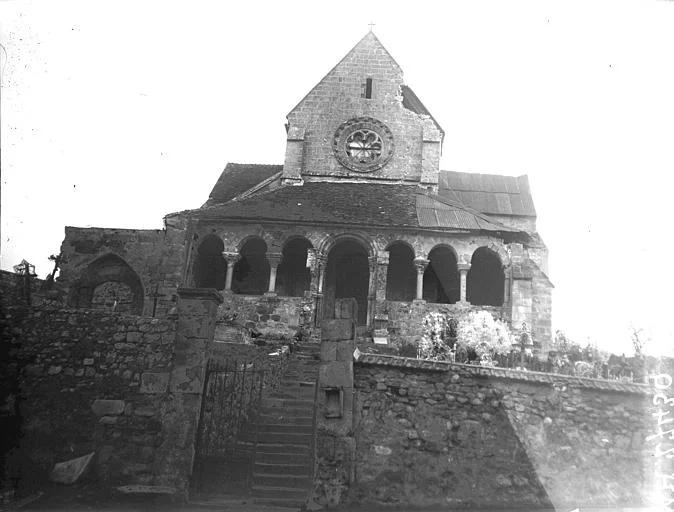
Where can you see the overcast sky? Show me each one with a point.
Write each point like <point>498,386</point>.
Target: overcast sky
<point>117,113</point>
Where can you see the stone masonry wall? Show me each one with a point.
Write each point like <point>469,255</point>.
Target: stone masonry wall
<point>340,96</point>
<point>88,381</point>
<point>442,434</point>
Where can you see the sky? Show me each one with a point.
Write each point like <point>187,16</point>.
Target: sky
<point>114,114</point>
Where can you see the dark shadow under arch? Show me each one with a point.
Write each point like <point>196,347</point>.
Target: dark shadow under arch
<point>210,267</point>
<point>401,276</point>
<point>347,276</point>
<point>485,281</point>
<point>441,278</point>
<point>293,277</point>
<point>251,272</point>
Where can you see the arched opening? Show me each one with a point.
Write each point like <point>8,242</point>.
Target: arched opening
<point>293,277</point>
<point>109,283</point>
<point>210,267</point>
<point>347,276</point>
<point>401,277</point>
<point>441,278</point>
<point>251,272</point>
<point>485,279</point>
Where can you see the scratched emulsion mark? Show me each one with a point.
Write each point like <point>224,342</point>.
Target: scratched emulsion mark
<point>663,439</point>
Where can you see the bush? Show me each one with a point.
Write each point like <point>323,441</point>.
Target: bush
<point>481,335</point>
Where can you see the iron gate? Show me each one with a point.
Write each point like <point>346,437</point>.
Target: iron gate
<point>227,432</point>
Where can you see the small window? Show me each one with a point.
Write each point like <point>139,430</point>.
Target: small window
<point>368,88</point>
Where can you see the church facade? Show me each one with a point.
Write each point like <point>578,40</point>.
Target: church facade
<point>358,222</point>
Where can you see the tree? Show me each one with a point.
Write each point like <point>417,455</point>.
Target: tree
<point>480,334</point>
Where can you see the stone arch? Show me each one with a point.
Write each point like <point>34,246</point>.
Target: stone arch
<point>293,277</point>
<point>486,279</point>
<point>251,272</point>
<point>330,241</point>
<point>347,276</point>
<point>401,275</point>
<point>442,283</point>
<point>109,283</point>
<point>210,267</point>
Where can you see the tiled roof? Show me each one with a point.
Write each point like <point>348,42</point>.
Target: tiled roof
<point>488,193</point>
<point>371,204</point>
<point>237,178</point>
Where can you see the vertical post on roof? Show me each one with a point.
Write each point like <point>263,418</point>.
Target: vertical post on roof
<point>231,258</point>
<point>463,270</point>
<point>420,264</point>
<point>274,259</point>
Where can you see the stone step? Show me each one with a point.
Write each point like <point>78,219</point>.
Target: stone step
<point>287,402</point>
<point>280,438</point>
<point>286,481</point>
<point>269,468</point>
<point>282,449</point>
<point>269,491</point>
<point>290,412</point>
<point>276,428</point>
<point>285,419</point>
<point>280,503</point>
<point>299,459</point>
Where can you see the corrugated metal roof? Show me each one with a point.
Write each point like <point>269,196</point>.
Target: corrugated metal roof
<point>434,213</point>
<point>488,193</point>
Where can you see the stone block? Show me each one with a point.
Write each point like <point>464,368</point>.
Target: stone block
<point>336,374</point>
<point>71,471</point>
<point>154,382</point>
<point>328,351</point>
<point>338,330</point>
<point>108,407</point>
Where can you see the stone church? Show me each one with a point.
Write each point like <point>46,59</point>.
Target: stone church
<point>358,221</point>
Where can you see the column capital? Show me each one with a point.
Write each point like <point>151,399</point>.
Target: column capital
<point>463,267</point>
<point>274,258</point>
<point>231,257</point>
<point>421,264</point>
<point>383,257</point>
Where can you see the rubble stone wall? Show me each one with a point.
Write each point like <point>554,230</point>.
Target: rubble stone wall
<point>442,434</point>
<point>88,381</point>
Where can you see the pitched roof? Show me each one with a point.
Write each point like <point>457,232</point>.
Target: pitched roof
<point>412,102</point>
<point>237,178</point>
<point>367,204</point>
<point>488,193</point>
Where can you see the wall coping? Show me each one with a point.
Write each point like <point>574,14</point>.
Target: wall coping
<point>200,293</point>
<point>365,358</point>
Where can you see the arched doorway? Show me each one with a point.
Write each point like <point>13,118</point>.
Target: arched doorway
<point>485,281</point>
<point>347,276</point>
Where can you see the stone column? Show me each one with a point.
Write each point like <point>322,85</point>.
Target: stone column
<point>320,278</point>
<point>274,258</point>
<point>506,287</point>
<point>371,290</point>
<point>420,264</point>
<point>463,270</point>
<point>382,271</point>
<point>180,408</point>
<point>231,258</point>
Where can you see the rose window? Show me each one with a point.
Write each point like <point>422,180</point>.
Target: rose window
<point>364,146</point>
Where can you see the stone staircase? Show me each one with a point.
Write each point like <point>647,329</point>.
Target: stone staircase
<point>282,469</point>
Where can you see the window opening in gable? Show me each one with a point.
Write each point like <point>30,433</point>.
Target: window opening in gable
<point>368,88</point>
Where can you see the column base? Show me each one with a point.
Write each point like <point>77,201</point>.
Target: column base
<point>419,301</point>
<point>270,294</point>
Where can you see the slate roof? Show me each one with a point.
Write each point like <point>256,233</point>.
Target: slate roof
<point>368,204</point>
<point>237,178</point>
<point>488,193</point>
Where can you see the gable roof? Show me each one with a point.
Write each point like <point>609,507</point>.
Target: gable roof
<point>412,102</point>
<point>365,204</point>
<point>237,179</point>
<point>367,39</point>
<point>488,193</point>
